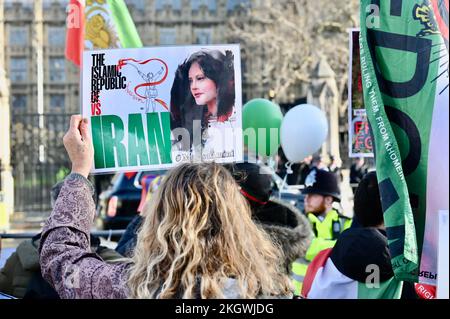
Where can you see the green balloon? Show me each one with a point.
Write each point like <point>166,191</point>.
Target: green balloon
<point>259,116</point>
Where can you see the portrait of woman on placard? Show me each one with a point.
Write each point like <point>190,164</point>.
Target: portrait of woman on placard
<point>203,91</point>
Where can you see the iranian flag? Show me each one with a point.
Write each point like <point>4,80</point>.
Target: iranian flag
<point>98,25</point>
<point>440,9</point>
<point>328,278</point>
<point>404,66</point>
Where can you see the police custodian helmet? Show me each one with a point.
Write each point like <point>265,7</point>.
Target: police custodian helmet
<point>322,182</point>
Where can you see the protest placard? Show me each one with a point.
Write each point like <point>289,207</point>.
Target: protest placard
<point>359,138</point>
<point>153,108</point>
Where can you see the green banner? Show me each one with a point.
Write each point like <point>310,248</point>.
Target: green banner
<point>400,56</point>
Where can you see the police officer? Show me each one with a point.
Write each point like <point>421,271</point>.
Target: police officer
<point>321,190</point>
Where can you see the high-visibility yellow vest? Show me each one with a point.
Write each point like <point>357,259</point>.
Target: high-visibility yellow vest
<point>326,233</point>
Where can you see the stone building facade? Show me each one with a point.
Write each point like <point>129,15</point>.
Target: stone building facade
<point>34,39</point>
<point>40,87</point>
<point>42,81</point>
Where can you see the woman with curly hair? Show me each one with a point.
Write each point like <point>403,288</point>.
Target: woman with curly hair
<point>204,90</point>
<point>197,239</point>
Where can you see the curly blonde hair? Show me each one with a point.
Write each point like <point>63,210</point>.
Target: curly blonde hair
<point>197,235</point>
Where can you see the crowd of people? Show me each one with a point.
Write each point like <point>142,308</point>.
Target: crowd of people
<point>209,231</point>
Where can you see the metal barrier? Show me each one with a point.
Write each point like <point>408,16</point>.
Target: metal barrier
<point>38,159</point>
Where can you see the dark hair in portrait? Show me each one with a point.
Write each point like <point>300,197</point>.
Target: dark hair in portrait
<point>216,66</point>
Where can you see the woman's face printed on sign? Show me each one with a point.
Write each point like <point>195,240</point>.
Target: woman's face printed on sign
<point>203,89</point>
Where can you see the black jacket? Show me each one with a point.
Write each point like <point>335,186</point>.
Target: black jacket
<point>287,226</point>
<point>128,241</point>
<point>359,247</point>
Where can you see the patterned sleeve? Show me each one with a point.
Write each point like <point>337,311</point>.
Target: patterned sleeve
<point>66,260</point>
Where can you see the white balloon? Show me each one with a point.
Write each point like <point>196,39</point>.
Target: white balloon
<point>303,130</point>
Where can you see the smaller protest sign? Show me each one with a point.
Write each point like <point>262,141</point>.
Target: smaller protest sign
<point>360,140</point>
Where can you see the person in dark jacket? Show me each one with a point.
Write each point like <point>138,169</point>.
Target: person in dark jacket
<point>357,172</point>
<point>128,241</point>
<point>359,265</point>
<point>335,168</point>
<point>21,268</point>
<point>286,225</point>
<point>21,275</point>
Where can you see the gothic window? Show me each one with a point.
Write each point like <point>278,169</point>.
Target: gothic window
<point>49,3</point>
<point>56,36</point>
<point>167,36</point>
<point>174,4</point>
<point>57,101</point>
<point>18,69</point>
<point>57,69</point>
<point>203,36</point>
<point>235,4</point>
<point>137,4</point>
<point>18,36</point>
<point>210,4</point>
<point>19,101</point>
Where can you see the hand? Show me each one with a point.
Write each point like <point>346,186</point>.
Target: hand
<point>78,144</point>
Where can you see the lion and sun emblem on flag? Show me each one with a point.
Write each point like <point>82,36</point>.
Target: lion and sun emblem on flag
<point>99,31</point>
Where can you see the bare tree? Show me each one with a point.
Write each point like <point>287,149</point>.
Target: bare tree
<point>283,39</point>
